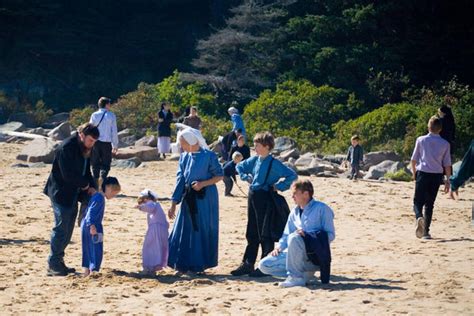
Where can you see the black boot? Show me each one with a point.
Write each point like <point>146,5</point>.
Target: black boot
<point>244,268</point>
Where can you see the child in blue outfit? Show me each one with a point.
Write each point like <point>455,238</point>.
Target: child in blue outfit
<point>230,172</point>
<point>92,231</point>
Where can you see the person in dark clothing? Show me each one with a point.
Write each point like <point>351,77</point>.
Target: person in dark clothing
<point>465,171</point>
<point>355,154</point>
<point>230,172</point>
<point>227,142</point>
<point>69,176</point>
<point>241,147</point>
<point>448,131</point>
<point>165,118</point>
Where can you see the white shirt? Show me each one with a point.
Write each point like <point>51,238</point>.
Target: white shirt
<point>108,126</point>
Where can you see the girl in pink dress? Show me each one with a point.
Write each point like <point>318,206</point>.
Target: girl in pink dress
<point>155,245</point>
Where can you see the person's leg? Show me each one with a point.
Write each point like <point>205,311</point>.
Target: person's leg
<point>432,188</point>
<point>95,160</point>
<point>106,155</point>
<point>252,234</point>
<point>228,185</point>
<point>274,265</point>
<point>419,198</point>
<point>64,218</point>
<point>356,169</point>
<point>297,261</point>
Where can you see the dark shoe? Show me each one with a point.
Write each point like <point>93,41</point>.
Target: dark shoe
<point>56,272</point>
<point>257,273</point>
<point>229,194</point>
<point>244,268</point>
<point>68,270</point>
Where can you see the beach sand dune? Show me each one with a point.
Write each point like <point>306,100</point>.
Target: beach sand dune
<point>379,266</point>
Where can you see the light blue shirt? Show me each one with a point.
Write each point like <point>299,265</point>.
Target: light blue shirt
<point>107,128</point>
<point>316,216</point>
<point>431,153</point>
<point>255,168</point>
<point>237,123</point>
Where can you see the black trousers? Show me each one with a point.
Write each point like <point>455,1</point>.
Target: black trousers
<point>426,190</point>
<point>101,159</point>
<point>229,184</point>
<point>355,170</point>
<point>258,203</point>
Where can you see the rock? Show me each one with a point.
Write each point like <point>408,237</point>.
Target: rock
<point>216,147</point>
<point>283,144</point>
<point>61,132</point>
<point>327,174</point>
<point>378,171</point>
<point>38,131</point>
<point>38,165</point>
<point>27,119</point>
<point>20,165</point>
<point>291,166</point>
<point>126,163</point>
<point>374,158</point>
<point>336,159</point>
<point>39,150</point>
<point>56,120</point>
<point>150,141</point>
<point>174,157</point>
<point>305,160</point>
<point>290,153</point>
<point>144,153</point>
<point>12,127</point>
<point>124,133</point>
<point>3,138</point>
<point>127,141</point>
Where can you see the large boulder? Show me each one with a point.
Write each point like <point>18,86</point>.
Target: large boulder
<point>38,131</point>
<point>283,143</point>
<point>311,168</point>
<point>305,160</point>
<point>39,150</point>
<point>12,127</point>
<point>130,163</point>
<point>376,157</point>
<point>378,171</point>
<point>144,153</point>
<point>290,153</point>
<point>126,138</point>
<point>337,159</point>
<point>56,120</point>
<point>27,119</point>
<point>150,141</point>
<point>61,132</point>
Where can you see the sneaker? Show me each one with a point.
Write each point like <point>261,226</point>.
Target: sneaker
<point>420,227</point>
<point>244,268</point>
<point>291,281</point>
<point>426,237</point>
<point>257,273</point>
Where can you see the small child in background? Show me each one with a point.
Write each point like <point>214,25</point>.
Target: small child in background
<point>230,172</point>
<point>92,232</point>
<point>355,155</point>
<point>155,245</point>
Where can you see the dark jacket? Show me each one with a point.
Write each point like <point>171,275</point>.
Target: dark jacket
<point>164,128</point>
<point>244,150</point>
<point>67,175</point>
<point>227,141</point>
<point>465,171</point>
<point>229,169</point>
<point>448,131</point>
<point>355,154</point>
<point>318,251</point>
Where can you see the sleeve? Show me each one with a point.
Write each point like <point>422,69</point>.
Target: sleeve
<point>180,182</point>
<point>94,210</point>
<point>89,176</point>
<point>447,156</point>
<point>148,207</point>
<point>465,171</point>
<point>244,168</point>
<point>328,223</point>
<point>69,170</point>
<point>361,153</point>
<point>289,228</point>
<point>416,152</point>
<point>348,158</point>
<point>288,175</point>
<point>92,119</point>
<point>215,167</point>
<point>115,140</point>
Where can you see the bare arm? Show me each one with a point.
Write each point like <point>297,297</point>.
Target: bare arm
<point>413,169</point>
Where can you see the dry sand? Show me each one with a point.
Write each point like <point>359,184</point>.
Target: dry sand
<point>379,266</point>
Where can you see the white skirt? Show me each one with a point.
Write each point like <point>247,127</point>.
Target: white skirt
<point>164,144</point>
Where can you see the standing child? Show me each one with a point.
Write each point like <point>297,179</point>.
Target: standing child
<point>264,173</point>
<point>155,245</point>
<point>430,158</point>
<point>92,232</point>
<point>230,172</point>
<point>355,155</point>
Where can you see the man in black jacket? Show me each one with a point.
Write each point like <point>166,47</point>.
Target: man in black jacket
<point>69,176</point>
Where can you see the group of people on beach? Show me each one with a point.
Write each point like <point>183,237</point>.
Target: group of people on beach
<point>294,244</point>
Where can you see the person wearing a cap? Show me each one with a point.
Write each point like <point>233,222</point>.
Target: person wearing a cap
<point>237,122</point>
<point>107,144</point>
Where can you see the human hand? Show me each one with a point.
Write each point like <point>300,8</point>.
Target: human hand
<point>160,120</point>
<point>276,251</point>
<point>172,211</point>
<point>300,232</point>
<point>446,186</point>
<point>249,178</point>
<point>114,151</point>
<point>453,194</point>
<point>197,186</point>
<point>93,230</point>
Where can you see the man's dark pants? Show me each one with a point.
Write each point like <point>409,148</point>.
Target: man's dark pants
<point>101,159</point>
<point>426,190</point>
<point>64,220</point>
<point>229,184</point>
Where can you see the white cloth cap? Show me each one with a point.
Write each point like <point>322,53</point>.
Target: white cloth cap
<point>192,136</point>
<point>148,192</point>
<point>233,110</point>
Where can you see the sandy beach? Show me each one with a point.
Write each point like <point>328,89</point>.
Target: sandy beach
<point>379,266</point>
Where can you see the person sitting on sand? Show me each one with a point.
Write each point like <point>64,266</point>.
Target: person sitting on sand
<point>289,258</point>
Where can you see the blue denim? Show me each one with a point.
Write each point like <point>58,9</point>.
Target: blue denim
<point>64,219</point>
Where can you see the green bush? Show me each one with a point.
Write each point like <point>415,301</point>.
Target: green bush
<point>400,175</point>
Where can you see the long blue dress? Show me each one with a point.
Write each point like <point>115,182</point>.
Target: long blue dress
<point>92,251</point>
<point>191,250</point>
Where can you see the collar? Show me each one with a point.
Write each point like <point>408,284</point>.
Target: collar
<point>310,203</point>
<point>433,134</point>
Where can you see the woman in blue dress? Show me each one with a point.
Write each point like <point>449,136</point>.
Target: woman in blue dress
<point>193,242</point>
